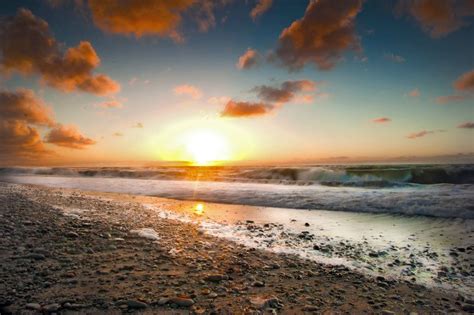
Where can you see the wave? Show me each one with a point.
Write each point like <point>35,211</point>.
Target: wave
<point>350,176</point>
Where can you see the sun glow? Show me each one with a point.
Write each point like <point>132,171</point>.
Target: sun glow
<point>202,143</point>
<point>206,147</point>
<point>199,209</point>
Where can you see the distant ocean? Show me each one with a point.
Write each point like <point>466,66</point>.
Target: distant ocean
<point>431,190</point>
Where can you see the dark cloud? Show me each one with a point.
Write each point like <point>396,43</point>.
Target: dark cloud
<point>321,36</point>
<point>246,109</point>
<point>285,93</point>
<point>18,141</point>
<point>28,47</point>
<point>261,7</point>
<point>69,137</point>
<point>250,59</point>
<point>437,17</point>
<point>467,125</point>
<point>23,105</point>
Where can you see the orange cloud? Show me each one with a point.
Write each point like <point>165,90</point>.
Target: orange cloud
<point>23,105</point>
<point>250,59</point>
<point>69,137</point>
<point>189,90</point>
<point>321,36</point>
<point>467,125</point>
<point>414,93</point>
<point>438,17</point>
<point>246,109</point>
<point>138,125</point>
<point>28,47</point>
<point>423,133</point>
<point>465,82</point>
<point>19,141</point>
<point>111,104</point>
<point>150,17</point>
<point>381,120</point>
<point>285,93</point>
<point>261,7</point>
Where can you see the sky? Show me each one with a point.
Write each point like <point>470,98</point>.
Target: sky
<point>236,81</point>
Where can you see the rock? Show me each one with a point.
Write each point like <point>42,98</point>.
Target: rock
<point>306,224</point>
<point>264,302</point>
<point>310,308</point>
<point>51,308</point>
<point>35,256</point>
<point>258,284</point>
<point>136,304</point>
<point>215,278</point>
<point>468,307</point>
<point>33,306</point>
<point>183,302</point>
<point>387,312</point>
<point>72,234</point>
<point>163,301</point>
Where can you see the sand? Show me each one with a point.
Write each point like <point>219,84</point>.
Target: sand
<point>76,252</point>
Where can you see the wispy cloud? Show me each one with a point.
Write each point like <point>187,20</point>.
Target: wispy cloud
<point>394,58</point>
<point>261,7</point>
<point>381,120</point>
<point>414,93</point>
<point>187,89</point>
<point>423,133</point>
<point>466,125</point>
<point>250,59</point>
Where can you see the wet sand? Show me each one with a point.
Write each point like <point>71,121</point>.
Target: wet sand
<point>77,252</point>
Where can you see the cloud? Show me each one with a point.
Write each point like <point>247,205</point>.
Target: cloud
<point>138,125</point>
<point>150,17</point>
<point>414,93</point>
<point>23,105</point>
<point>250,59</point>
<point>450,99</point>
<point>465,82</point>
<point>261,7</point>
<point>438,18</point>
<point>28,47</point>
<point>111,104</point>
<point>285,93</point>
<point>423,133</point>
<point>221,100</point>
<point>69,137</point>
<point>187,89</point>
<point>246,109</point>
<point>117,134</point>
<point>321,36</point>
<point>381,120</point>
<point>467,125</point>
<point>394,58</point>
<point>19,141</point>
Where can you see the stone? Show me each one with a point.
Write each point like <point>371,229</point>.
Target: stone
<point>136,304</point>
<point>215,278</point>
<point>51,308</point>
<point>33,306</point>
<point>181,301</point>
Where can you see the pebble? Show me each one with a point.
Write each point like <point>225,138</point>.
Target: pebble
<point>33,306</point>
<point>136,304</point>
<point>183,302</point>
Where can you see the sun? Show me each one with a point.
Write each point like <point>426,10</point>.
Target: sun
<point>205,147</point>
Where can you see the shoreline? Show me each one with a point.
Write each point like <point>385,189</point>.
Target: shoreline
<point>74,251</point>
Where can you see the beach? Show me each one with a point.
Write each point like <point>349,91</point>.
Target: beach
<point>73,251</point>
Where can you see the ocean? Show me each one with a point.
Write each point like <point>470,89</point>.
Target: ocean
<point>429,190</point>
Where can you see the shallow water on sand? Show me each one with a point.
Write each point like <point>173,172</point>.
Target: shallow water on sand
<point>433,251</point>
